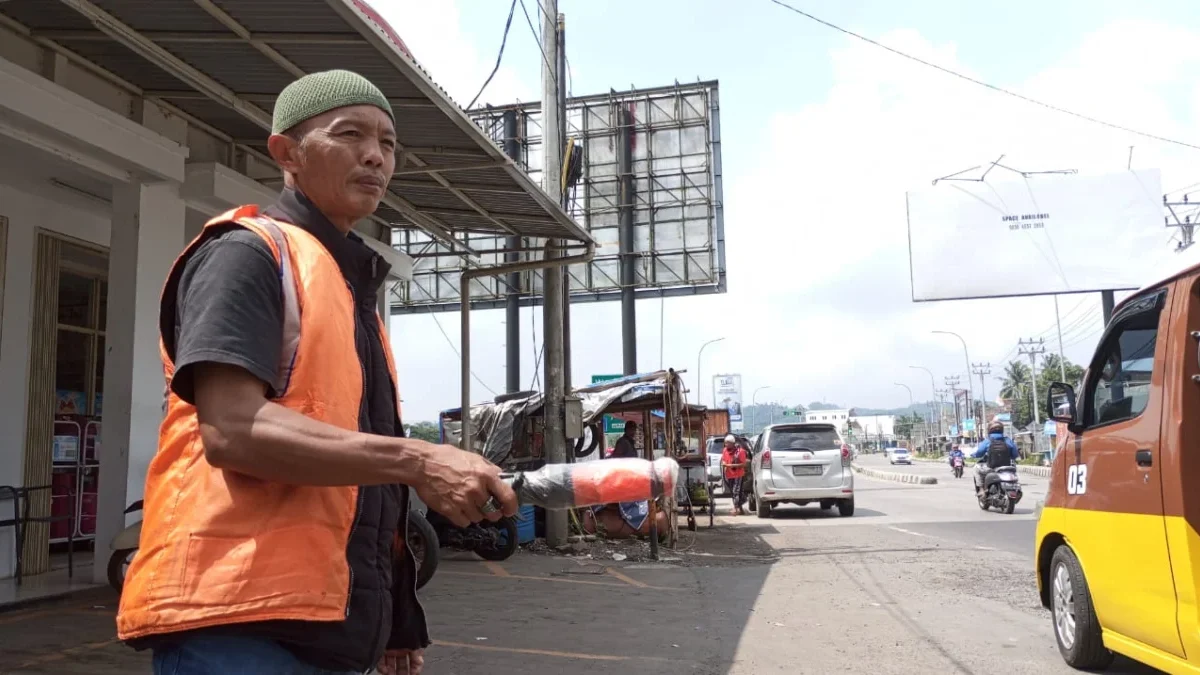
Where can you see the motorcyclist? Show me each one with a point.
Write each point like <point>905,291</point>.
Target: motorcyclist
<point>996,451</point>
<point>956,453</point>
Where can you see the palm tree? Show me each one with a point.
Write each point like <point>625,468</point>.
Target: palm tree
<point>1016,373</point>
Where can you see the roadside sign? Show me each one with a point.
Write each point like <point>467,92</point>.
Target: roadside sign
<point>791,413</point>
<point>969,425</point>
<point>612,425</point>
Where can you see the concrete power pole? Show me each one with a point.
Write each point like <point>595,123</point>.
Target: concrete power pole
<point>552,278</point>
<point>1033,348</point>
<point>982,369</point>
<point>942,394</point>
<point>952,384</point>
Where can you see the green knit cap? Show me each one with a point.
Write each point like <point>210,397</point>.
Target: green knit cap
<point>318,93</point>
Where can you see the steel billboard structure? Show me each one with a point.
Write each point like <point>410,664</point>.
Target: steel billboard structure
<point>674,172</point>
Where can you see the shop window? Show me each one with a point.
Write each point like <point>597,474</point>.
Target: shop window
<point>75,294</point>
<point>82,314</point>
<point>72,370</point>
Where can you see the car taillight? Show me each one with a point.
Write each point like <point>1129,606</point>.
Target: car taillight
<point>845,454</point>
<point>766,458</point>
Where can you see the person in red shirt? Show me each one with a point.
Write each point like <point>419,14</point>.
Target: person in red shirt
<point>733,464</point>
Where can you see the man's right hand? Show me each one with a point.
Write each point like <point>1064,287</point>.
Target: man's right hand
<point>457,484</point>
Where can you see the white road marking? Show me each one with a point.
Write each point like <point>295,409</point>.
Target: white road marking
<point>984,548</point>
<point>901,529</point>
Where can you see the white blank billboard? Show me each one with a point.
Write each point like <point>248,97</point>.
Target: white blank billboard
<point>1042,234</point>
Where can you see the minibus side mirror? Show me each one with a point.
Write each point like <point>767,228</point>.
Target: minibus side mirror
<point>1061,400</point>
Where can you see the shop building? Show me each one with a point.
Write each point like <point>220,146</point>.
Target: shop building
<point>124,126</point>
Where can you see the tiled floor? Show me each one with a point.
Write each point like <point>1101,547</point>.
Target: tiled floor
<point>54,583</point>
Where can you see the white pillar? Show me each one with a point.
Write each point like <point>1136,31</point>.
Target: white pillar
<point>147,234</point>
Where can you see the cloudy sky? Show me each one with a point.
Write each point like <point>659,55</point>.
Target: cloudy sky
<point>823,135</point>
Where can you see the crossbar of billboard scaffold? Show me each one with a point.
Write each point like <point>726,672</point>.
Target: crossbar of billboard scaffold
<point>678,210</point>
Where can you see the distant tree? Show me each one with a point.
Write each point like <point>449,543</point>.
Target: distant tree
<point>905,424</point>
<point>1017,383</point>
<point>425,431</point>
<point>817,405</point>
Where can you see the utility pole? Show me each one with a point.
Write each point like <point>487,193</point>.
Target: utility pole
<point>552,278</point>
<point>941,397</point>
<point>952,384</point>
<point>982,369</point>
<point>933,390</point>
<point>1062,360</point>
<point>564,198</point>
<point>1033,348</point>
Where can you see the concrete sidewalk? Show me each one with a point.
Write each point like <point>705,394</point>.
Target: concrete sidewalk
<point>529,613</point>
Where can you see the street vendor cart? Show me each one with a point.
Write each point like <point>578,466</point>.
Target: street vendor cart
<point>693,492</point>
<point>509,430</point>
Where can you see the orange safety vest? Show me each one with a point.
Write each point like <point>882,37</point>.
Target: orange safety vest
<point>219,547</point>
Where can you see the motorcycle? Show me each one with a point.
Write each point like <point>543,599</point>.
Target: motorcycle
<point>1001,490</point>
<point>956,466</point>
<point>423,542</point>
<point>123,547</point>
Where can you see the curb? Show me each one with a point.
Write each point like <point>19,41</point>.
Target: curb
<point>895,477</point>
<point>1042,471</point>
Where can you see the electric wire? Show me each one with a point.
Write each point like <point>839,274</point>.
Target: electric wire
<point>499,57</point>
<point>459,354</point>
<point>986,85</point>
<point>537,38</point>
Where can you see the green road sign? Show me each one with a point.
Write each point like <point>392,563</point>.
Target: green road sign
<point>791,413</point>
<point>612,425</point>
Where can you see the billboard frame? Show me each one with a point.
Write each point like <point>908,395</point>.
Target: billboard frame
<point>492,295</point>
<point>1106,290</point>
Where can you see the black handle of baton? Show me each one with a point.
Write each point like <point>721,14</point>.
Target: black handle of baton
<point>515,481</point>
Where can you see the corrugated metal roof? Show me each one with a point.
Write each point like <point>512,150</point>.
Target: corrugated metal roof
<point>223,61</point>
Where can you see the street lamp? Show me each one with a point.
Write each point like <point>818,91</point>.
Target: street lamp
<point>970,390</point>
<point>911,404</point>
<point>699,381</point>
<point>933,392</point>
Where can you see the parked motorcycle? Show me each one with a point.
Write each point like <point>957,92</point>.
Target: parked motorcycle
<point>956,465</point>
<point>424,544</point>
<point>1001,489</point>
<point>123,547</point>
<point>490,541</point>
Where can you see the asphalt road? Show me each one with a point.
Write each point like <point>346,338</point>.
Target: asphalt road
<point>919,580</point>
<point>949,509</point>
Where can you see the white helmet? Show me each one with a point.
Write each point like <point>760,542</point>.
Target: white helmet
<point>730,438</point>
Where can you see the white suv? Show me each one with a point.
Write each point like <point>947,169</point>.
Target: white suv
<point>802,463</point>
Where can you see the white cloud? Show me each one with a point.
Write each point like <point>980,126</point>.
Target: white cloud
<point>819,304</point>
<point>432,31</point>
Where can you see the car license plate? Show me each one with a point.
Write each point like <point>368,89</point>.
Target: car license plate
<point>808,470</point>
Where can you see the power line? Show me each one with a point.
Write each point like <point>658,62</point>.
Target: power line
<point>459,354</point>
<point>499,57</point>
<point>981,83</point>
<point>537,38</point>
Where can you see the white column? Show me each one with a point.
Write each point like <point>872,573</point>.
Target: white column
<point>147,234</point>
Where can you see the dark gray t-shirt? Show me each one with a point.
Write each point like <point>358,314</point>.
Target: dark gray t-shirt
<point>229,300</point>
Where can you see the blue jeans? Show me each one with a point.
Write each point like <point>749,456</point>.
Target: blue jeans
<point>229,655</point>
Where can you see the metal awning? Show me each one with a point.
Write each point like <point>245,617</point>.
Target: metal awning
<point>221,63</point>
